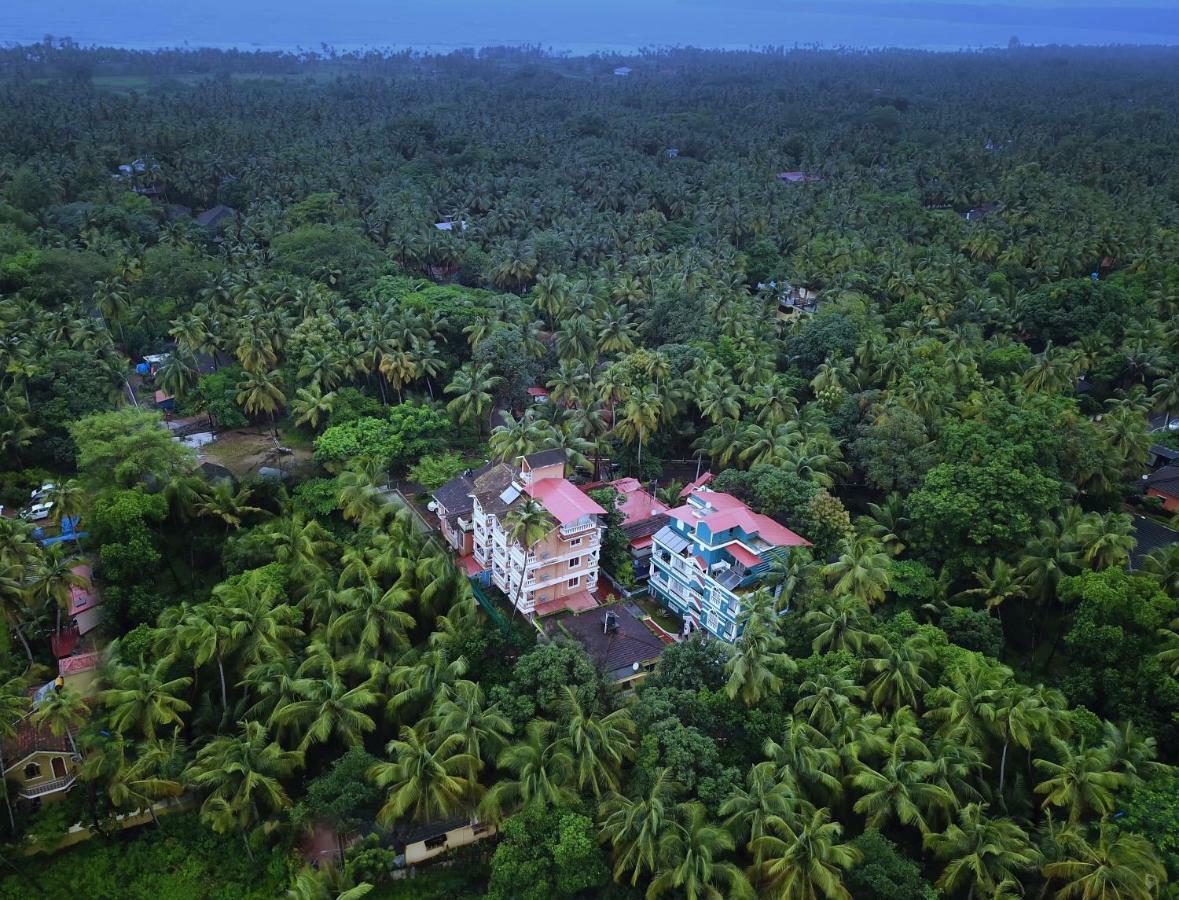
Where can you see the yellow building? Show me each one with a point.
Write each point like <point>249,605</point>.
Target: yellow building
<point>38,763</point>
<point>434,838</point>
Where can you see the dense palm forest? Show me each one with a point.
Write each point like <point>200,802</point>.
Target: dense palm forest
<point>968,686</point>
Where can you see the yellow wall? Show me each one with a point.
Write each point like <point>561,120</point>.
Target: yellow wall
<point>458,837</point>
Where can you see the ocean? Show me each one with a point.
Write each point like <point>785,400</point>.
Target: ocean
<point>586,26</point>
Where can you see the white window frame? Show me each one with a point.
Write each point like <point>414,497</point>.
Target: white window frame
<point>575,581</point>
<point>575,542</point>
<point>574,562</point>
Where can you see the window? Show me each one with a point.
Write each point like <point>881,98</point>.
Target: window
<point>478,828</point>
<point>575,542</point>
<point>32,770</point>
<point>712,622</point>
<point>435,842</point>
<point>575,562</point>
<point>59,767</point>
<point>574,582</point>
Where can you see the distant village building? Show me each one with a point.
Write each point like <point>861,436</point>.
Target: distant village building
<point>623,71</point>
<point>798,177</point>
<point>980,212</point>
<point>217,218</point>
<point>448,223</point>
<point>1164,485</point>
<point>714,552</point>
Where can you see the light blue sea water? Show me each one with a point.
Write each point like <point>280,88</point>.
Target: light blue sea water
<point>583,26</point>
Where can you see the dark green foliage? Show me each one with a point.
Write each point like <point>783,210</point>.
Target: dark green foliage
<point>894,452</point>
<point>1113,644</point>
<point>886,874</point>
<point>179,861</point>
<point>539,676</point>
<point>828,333</point>
<point>315,497</point>
<point>434,470</point>
<point>615,553</point>
<point>216,394</point>
<point>405,433</point>
<point>1152,810</point>
<point>547,853</point>
<point>974,629</point>
<point>343,797</point>
<point>337,255</point>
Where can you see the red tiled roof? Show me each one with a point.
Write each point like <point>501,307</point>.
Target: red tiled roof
<point>537,392</point>
<point>470,565</point>
<point>579,602</point>
<point>729,512</point>
<point>637,504</point>
<point>83,662</point>
<point>562,500</point>
<point>743,556</point>
<point>640,543</point>
<point>704,479</point>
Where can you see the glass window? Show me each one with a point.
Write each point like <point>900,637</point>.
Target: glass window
<point>574,582</point>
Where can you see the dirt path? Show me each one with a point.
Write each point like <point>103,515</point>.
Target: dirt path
<point>246,450</point>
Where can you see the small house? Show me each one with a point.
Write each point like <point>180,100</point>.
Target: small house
<point>1164,484</point>
<point>622,647</point>
<point>1160,456</point>
<point>1149,536</point>
<point>425,842</point>
<point>798,177</point>
<point>217,218</point>
<point>41,764</point>
<point>623,72</point>
<point>537,394</point>
<point>977,213</point>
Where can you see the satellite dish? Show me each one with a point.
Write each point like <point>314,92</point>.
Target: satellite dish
<point>634,667</point>
<point>432,506</point>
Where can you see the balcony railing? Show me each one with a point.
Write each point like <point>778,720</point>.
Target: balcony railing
<point>580,525</point>
<point>48,787</point>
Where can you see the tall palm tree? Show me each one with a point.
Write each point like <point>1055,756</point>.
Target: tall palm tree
<point>1083,782</point>
<point>14,705</point>
<point>542,772</point>
<point>1121,864</point>
<point>640,415</point>
<point>241,775</point>
<point>261,393</point>
<point>462,710</point>
<point>750,808</point>
<point>634,827</point>
<point>902,790</point>
<point>313,405</point>
<point>526,523</point>
<point>61,710</point>
<point>862,570</point>
<point>140,700</point>
<point>758,661</point>
<point>598,745</point>
<point>328,707</point>
<point>982,853</point>
<point>688,860</point>
<point>802,858</point>
<point>898,674</point>
<point>231,506</point>
<point>68,499</point>
<point>358,490</point>
<point>840,625</point>
<point>178,375</point>
<point>472,386</point>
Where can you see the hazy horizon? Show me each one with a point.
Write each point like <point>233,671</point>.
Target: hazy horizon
<point>581,26</point>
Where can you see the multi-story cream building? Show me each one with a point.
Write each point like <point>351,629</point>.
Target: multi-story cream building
<point>560,571</point>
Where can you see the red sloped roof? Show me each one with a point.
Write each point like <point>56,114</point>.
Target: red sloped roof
<point>562,500</point>
<point>729,512</point>
<point>743,556</point>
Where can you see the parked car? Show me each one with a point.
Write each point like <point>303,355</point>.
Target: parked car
<point>41,492</point>
<point>37,512</point>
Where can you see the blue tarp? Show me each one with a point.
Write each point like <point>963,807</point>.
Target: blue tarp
<point>143,368</point>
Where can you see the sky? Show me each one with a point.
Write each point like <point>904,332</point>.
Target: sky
<point>583,26</point>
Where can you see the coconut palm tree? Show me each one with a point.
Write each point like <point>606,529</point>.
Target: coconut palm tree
<point>902,790</point>
<point>542,772</point>
<point>688,860</point>
<point>765,796</point>
<point>463,710</point>
<point>313,405</point>
<point>472,386</point>
<point>1121,864</point>
<point>261,393</point>
<point>802,858</point>
<point>327,707</point>
<point>428,777</point>
<point>807,761</point>
<point>598,746</point>
<point>241,775</point>
<point>14,705</point>
<point>222,501</point>
<point>982,853</point>
<point>358,490</point>
<point>898,673</point>
<point>862,570</point>
<point>140,699</point>
<point>526,523</point>
<point>68,499</point>
<point>1083,782</point>
<point>634,827</point>
<point>840,625</point>
<point>758,661</point>
<point>641,413</point>
<point>178,375</point>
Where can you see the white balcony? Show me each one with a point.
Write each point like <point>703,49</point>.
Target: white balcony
<point>49,787</point>
<point>585,523</point>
